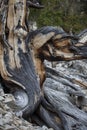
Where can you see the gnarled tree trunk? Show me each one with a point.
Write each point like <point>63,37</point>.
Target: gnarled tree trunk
<point>16,65</point>
<point>60,110</point>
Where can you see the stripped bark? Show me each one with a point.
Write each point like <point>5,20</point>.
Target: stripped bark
<point>16,65</point>
<point>22,55</point>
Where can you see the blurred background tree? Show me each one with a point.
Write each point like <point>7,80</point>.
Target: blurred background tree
<point>69,14</point>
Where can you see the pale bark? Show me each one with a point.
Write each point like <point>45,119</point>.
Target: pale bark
<point>16,65</point>
<point>22,56</point>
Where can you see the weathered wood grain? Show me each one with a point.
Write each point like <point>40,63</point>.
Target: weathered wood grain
<point>16,64</point>
<point>22,56</point>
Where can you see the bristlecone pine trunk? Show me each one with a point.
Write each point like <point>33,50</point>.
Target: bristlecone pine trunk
<point>16,65</point>
<point>60,110</point>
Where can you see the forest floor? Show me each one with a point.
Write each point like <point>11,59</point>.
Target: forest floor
<point>72,70</point>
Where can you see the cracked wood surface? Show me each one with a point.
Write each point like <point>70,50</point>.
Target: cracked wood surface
<point>16,64</point>
<point>22,56</point>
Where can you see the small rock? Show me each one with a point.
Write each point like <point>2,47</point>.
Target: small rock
<point>44,128</point>
<point>9,127</point>
<point>24,128</point>
<point>9,98</point>
<point>1,122</point>
<point>1,98</point>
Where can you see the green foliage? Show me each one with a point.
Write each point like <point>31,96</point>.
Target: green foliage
<point>75,22</point>
<point>68,14</point>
